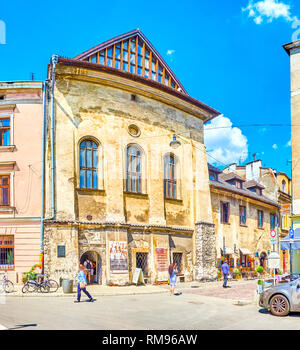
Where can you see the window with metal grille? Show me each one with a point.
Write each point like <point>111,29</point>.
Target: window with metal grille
<point>134,170</point>
<point>88,164</point>
<point>177,259</point>
<point>142,262</point>
<point>169,177</point>
<point>6,252</point>
<point>4,132</point>
<point>4,191</point>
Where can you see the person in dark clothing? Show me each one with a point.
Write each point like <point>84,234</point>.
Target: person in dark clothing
<point>226,271</point>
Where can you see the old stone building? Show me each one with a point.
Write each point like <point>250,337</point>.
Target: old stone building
<point>126,170</point>
<point>243,218</point>
<point>275,186</point>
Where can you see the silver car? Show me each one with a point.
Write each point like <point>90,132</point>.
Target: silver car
<point>282,298</point>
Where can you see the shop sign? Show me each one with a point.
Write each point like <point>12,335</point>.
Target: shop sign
<point>274,261</point>
<point>118,252</point>
<point>138,276</point>
<point>161,259</point>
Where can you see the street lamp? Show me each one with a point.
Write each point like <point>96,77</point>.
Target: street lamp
<point>175,143</point>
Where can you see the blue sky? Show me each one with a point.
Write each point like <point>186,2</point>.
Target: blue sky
<point>228,54</point>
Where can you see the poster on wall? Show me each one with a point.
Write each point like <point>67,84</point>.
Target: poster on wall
<point>118,254</point>
<point>161,259</point>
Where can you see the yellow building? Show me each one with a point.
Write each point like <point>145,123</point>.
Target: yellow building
<point>118,191</point>
<point>243,218</point>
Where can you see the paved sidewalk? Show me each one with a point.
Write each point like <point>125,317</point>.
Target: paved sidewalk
<point>94,290</point>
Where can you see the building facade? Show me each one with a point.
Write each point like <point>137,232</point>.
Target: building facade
<point>293,49</point>
<point>20,176</point>
<point>243,218</point>
<point>118,191</point>
<point>276,186</point>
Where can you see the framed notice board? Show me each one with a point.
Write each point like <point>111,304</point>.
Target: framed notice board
<point>161,257</point>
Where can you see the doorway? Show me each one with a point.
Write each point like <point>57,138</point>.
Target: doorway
<point>142,262</point>
<point>96,261</point>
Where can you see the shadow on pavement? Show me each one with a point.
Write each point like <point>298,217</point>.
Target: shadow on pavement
<point>23,326</point>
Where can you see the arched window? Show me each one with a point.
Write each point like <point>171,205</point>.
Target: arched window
<point>170,183</point>
<point>133,169</point>
<point>88,164</point>
<point>283,186</point>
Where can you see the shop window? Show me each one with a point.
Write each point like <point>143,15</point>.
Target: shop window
<point>243,216</point>
<point>260,219</point>
<point>225,212</point>
<point>7,252</point>
<point>142,262</point>
<point>4,132</point>
<point>177,259</point>
<point>88,164</point>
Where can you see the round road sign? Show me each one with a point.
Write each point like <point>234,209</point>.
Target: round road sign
<point>273,233</point>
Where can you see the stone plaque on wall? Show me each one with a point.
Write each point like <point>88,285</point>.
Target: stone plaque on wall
<point>118,253</point>
<point>161,255</point>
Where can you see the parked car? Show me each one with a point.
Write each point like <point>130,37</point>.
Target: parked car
<point>282,298</point>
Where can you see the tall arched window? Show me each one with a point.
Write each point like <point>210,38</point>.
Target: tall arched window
<point>283,186</point>
<point>88,164</point>
<point>133,170</point>
<point>170,183</point>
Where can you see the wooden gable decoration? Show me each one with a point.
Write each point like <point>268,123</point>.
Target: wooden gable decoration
<point>133,53</point>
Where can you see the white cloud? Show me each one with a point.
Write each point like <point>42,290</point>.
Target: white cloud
<point>275,146</point>
<point>225,143</point>
<point>269,10</point>
<point>170,52</point>
<point>288,144</point>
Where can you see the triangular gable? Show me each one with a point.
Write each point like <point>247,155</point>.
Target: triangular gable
<point>132,52</point>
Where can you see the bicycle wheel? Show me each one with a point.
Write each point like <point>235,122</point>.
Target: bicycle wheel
<point>44,288</point>
<point>9,287</point>
<point>25,288</point>
<point>53,286</point>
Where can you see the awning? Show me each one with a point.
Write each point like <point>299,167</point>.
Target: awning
<point>227,250</point>
<point>285,242</point>
<point>245,251</point>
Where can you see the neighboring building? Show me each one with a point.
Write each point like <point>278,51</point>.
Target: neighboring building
<point>116,191</point>
<point>243,218</point>
<point>275,186</point>
<point>293,49</point>
<point>21,112</point>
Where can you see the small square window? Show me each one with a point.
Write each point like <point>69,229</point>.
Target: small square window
<point>61,251</point>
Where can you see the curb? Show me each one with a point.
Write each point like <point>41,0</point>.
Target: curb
<point>52,295</point>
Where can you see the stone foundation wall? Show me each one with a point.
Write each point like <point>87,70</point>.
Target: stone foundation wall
<point>205,262</point>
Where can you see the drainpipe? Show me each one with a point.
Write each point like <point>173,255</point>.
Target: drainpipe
<point>54,60</point>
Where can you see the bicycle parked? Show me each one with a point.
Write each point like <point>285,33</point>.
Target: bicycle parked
<point>53,285</point>
<point>32,285</point>
<point>6,285</point>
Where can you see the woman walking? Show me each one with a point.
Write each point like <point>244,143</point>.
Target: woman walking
<point>81,284</point>
<point>172,277</point>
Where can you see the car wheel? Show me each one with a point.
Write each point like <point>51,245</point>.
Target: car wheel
<point>279,305</point>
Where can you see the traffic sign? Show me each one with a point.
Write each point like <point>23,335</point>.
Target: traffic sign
<point>291,233</point>
<point>273,240</point>
<point>273,233</point>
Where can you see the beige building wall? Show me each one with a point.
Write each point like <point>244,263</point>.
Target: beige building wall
<point>99,105</point>
<point>293,50</point>
<point>238,236</point>
<point>21,160</point>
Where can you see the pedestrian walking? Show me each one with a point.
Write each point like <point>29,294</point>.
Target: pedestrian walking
<point>173,270</point>
<point>226,271</point>
<point>81,285</point>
